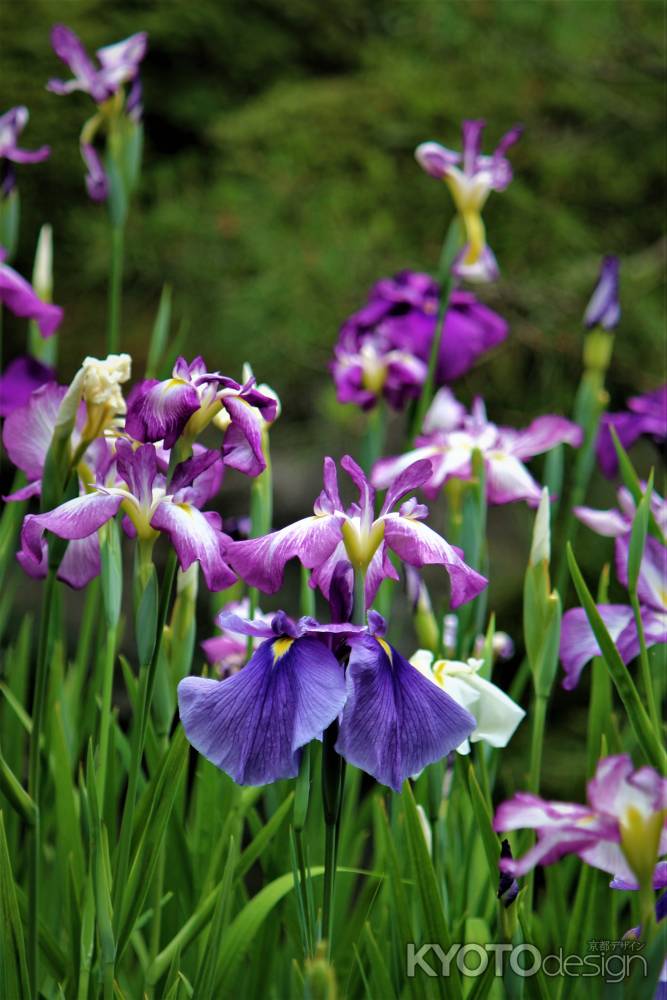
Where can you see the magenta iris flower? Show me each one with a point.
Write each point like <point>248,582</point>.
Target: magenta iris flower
<point>334,533</point>
<point>12,124</point>
<point>151,505</point>
<point>118,64</point>
<point>384,348</point>
<point>622,830</point>
<point>19,380</point>
<point>471,177</point>
<point>21,298</point>
<point>451,436</point>
<point>604,308</point>
<point>253,725</point>
<point>578,644</point>
<point>193,397</point>
<point>645,415</point>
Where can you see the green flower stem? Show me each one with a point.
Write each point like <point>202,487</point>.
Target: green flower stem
<point>105,713</point>
<point>261,515</point>
<point>115,287</point>
<point>540,703</point>
<point>146,686</point>
<point>374,438</point>
<point>34,775</point>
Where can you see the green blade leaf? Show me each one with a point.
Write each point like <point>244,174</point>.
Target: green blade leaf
<point>13,965</point>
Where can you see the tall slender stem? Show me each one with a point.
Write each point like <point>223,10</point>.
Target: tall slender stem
<point>105,713</point>
<point>540,703</point>
<point>34,776</point>
<point>115,287</point>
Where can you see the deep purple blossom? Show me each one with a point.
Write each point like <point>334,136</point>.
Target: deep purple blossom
<point>118,64</point>
<point>12,124</point>
<point>578,644</point>
<point>253,725</point>
<point>452,436</point>
<point>333,534</point>
<point>21,298</point>
<point>646,415</point>
<point>623,829</point>
<point>384,348</point>
<point>19,380</point>
<point>151,505</point>
<point>193,397</point>
<point>604,308</point>
<point>471,177</point>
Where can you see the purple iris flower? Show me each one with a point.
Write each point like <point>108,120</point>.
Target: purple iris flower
<point>20,298</point>
<point>452,436</point>
<point>19,380</point>
<point>604,308</point>
<point>384,348</point>
<point>193,397</point>
<point>118,64</point>
<point>471,177</point>
<point>253,725</point>
<point>97,182</point>
<point>578,644</point>
<point>645,415</point>
<point>228,651</point>
<point>12,124</point>
<point>333,534</point>
<point>151,505</point>
<point>622,830</point>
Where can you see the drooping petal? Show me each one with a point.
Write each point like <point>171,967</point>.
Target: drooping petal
<point>470,330</point>
<point>508,479</point>
<point>652,580</point>
<point>610,523</point>
<point>199,477</point>
<point>20,298</point>
<point>196,537</point>
<point>578,644</point>
<point>419,545</point>
<point>75,518</point>
<point>97,182</point>
<point>81,562</point>
<point>252,725</point>
<point>261,561</point>
<point>543,434</point>
<point>19,380</point>
<point>68,47</point>
<point>28,430</point>
<point>435,159</point>
<point>395,721</point>
<point>159,411</point>
<point>242,447</point>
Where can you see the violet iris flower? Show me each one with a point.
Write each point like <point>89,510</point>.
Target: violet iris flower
<point>622,830</point>
<point>253,725</point>
<point>452,436</point>
<point>384,348</point>
<point>229,651</point>
<point>185,404</point>
<point>578,644</point>
<point>333,534</point>
<point>12,124</point>
<point>118,64</point>
<point>471,177</point>
<point>645,415</point>
<point>604,308</point>
<point>21,298</point>
<point>19,380</point>
<point>151,505</point>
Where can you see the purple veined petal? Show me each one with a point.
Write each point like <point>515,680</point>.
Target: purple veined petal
<point>33,489</point>
<point>628,427</point>
<point>159,411</point>
<point>530,812</point>
<point>609,523</point>
<point>655,627</point>
<point>543,434</point>
<point>360,480</point>
<point>75,518</point>
<point>380,568</point>
<point>508,479</point>
<point>196,537</point>
<point>604,308</point>
<point>659,879</point>
<point>201,475</point>
<point>329,500</point>
<point>120,61</point>
<point>387,470</point>
<point>410,479</point>
<point>19,380</point>
<point>81,562</point>
<point>616,786</point>
<point>261,561</point>
<point>471,133</point>
<point>27,432</point>
<point>138,469</point>
<point>551,846</point>
<point>578,644</point>
<point>652,580</point>
<point>68,47</point>
<point>97,182</point>
<point>242,447</point>
<point>341,591</point>
<point>20,298</point>
<point>435,159</point>
<point>253,725</point>
<point>395,721</point>
<point>234,623</point>
<point>419,545</point>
